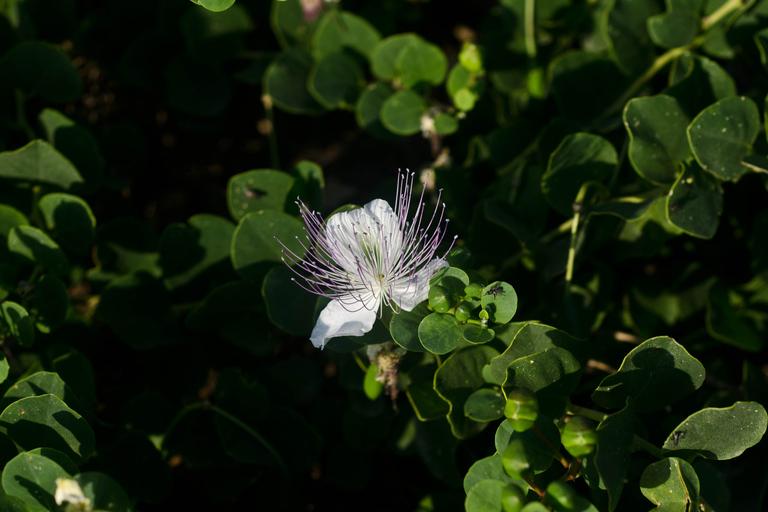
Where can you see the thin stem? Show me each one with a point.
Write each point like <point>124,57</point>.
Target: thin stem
<point>530,29</point>
<point>34,217</point>
<point>648,447</point>
<point>572,247</point>
<point>711,20</point>
<point>21,117</point>
<point>438,360</point>
<point>360,362</point>
<point>535,487</point>
<point>576,410</point>
<point>274,155</point>
<point>573,470</point>
<point>558,455</point>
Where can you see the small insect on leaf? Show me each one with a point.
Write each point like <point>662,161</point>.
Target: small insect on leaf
<point>496,290</point>
<point>676,437</point>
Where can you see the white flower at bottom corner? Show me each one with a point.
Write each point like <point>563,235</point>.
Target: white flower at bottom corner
<point>69,491</point>
<point>368,258</point>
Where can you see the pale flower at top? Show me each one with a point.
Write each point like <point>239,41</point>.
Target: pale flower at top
<point>368,258</point>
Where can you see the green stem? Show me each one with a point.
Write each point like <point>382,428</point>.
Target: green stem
<point>648,447</point>
<point>34,216</point>
<point>21,117</point>
<point>530,29</point>
<point>359,362</point>
<point>711,20</point>
<point>555,451</point>
<point>576,410</point>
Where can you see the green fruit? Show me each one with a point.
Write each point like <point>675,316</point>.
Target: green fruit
<point>516,460</point>
<point>522,409</point>
<point>579,436</point>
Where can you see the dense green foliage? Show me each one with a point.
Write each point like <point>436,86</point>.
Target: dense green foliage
<point>597,341</point>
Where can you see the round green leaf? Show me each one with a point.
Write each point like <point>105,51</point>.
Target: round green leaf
<point>336,80</point>
<point>57,457</point>
<point>657,137</point>
<point>337,30</point>
<point>485,405</point>
<point>500,301</point>
<point>46,421</point>
<point>446,124</point>
<point>459,78</point>
<point>255,246</point>
<point>401,113</point>
<point>671,484</point>
<point>76,143</point>
<point>488,468</point>
<point>615,435</point>
<point>656,373</point>
<point>368,109</point>
<point>43,69</point>
<point>285,82</point>
<point>215,37</point>
<point>189,254</point>
<point>290,26</point>
<point>105,494</point>
<point>625,29</point>
<point>485,496</point>
<point>723,134</point>
<point>725,325</point>
<point>17,322</point>
<point>385,53</point>
<point>34,247</point>
<point>215,5</point>
<point>49,304</point>
<point>404,328</point>
<point>540,454</point>
<point>197,89</point>
<point>456,379</point>
<point>695,202</point>
<point>476,335</point>
<point>9,218</point>
<point>426,403</point>
<point>439,333</point>
<point>581,157</point>
<point>719,434</point>
<point>703,82</point>
<point>419,63</point>
<point>39,163</point>
<point>288,306</point>
<point>32,478</point>
<point>124,245</point>
<point>70,221</point>
<point>262,189</point>
<point>678,26</point>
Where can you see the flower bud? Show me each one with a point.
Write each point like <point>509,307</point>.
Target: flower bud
<point>579,436</point>
<point>516,460</point>
<point>560,496</point>
<point>462,312</point>
<point>522,409</point>
<point>471,57</point>
<point>439,298</point>
<point>512,498</point>
<point>474,290</point>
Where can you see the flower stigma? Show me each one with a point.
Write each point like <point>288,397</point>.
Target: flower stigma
<point>368,258</point>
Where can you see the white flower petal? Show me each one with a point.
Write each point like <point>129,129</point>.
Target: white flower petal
<point>408,292</point>
<point>335,321</point>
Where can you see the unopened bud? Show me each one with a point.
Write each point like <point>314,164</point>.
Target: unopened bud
<point>462,312</point>
<point>516,460</point>
<point>579,436</point>
<point>522,409</point>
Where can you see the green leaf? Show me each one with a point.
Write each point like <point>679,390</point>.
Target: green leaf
<point>255,246</point>
<point>49,304</point>
<point>426,403</point>
<point>9,218</point>
<point>446,124</point>
<point>613,456</point>
<point>215,37</point>
<point>338,30</point>
<point>528,340</point>
<point>46,421</point>
<point>10,503</point>
<point>629,208</point>
<point>499,299</point>
<point>540,454</point>
<point>290,26</point>
<point>41,383</point>
<point>488,468</point>
<point>197,89</point>
<point>580,158</point>
<point>197,252</point>
<point>401,113</point>
<point>404,328</point>
<point>584,84</point>
<point>336,80</point>
<point>485,404</point>
<point>309,185</point>
<point>420,62</point>
<point>657,137</point>
<point>76,143</point>
<point>105,494</point>
<point>678,26</point>
<point>385,54</point>
<point>625,30</point>
<point>133,449</point>
<point>33,247</point>
<point>39,163</point>
<point>70,221</point>
<point>288,306</point>
<point>137,308</point>
<point>215,5</point>
<point>725,325</point>
<point>77,372</point>
<point>695,202</point>
<point>671,484</point>
<point>439,333</point>
<point>703,83</point>
<point>4,368</point>
<point>32,478</point>
<point>723,134</point>
<point>368,109</point>
<point>261,189</point>
<point>124,245</point>
<point>43,69</point>
<point>656,373</point>
<point>719,434</point>
<point>16,321</point>
<point>57,457</point>
<point>485,496</point>
<point>552,374</point>
<point>476,335</point>
<point>285,82</point>
<point>458,377</point>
